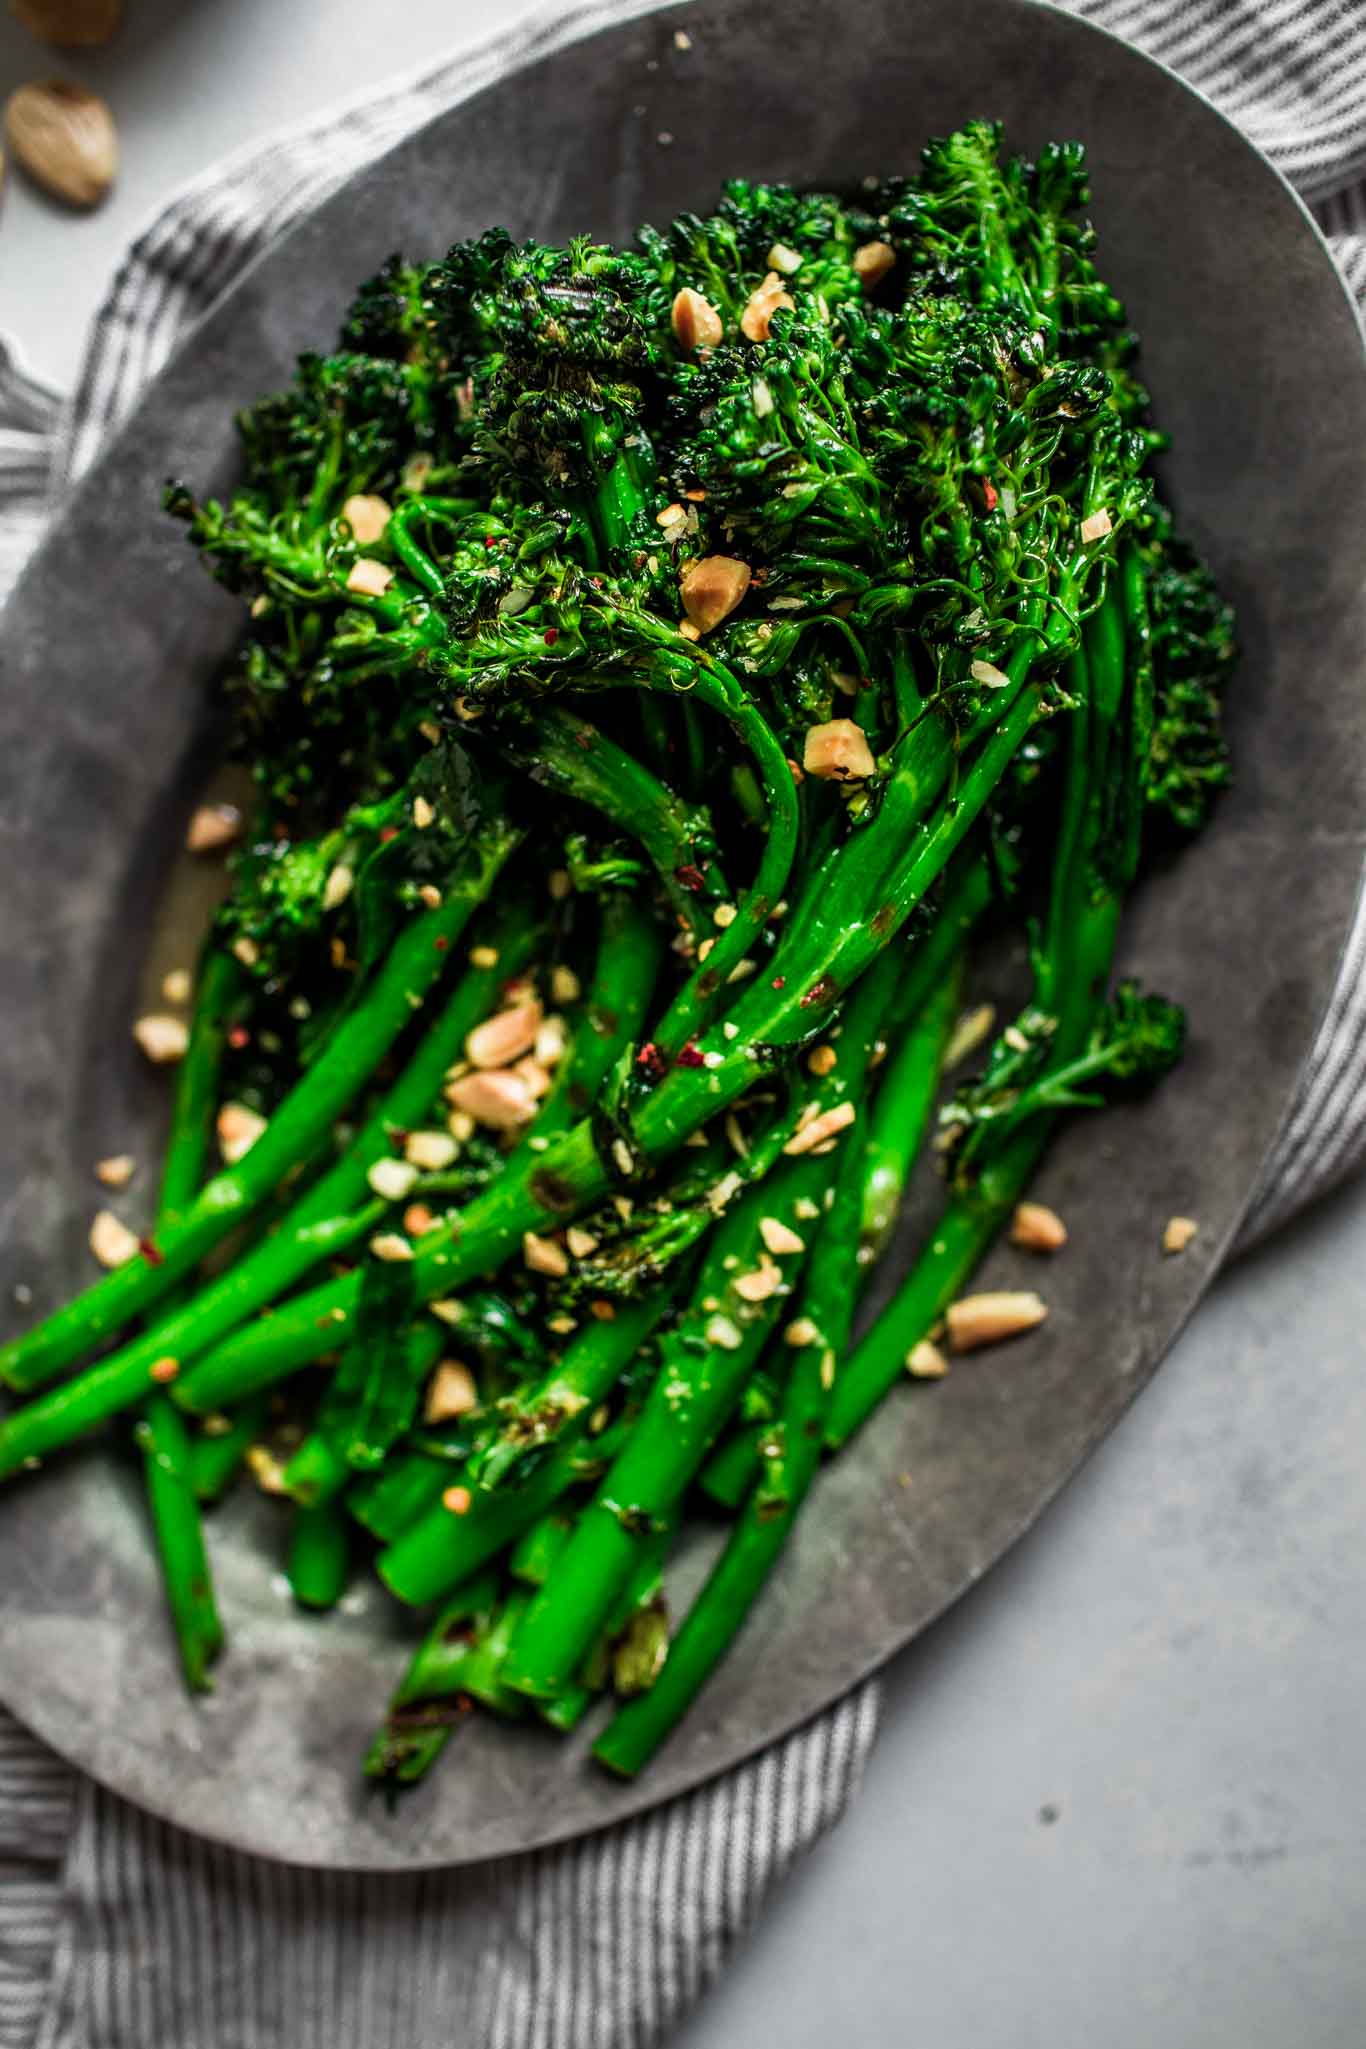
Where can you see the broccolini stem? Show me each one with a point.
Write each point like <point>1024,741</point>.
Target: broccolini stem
<point>260,1354</point>
<point>447,1543</point>
<point>322,1223</point>
<point>399,987</point>
<point>179,1529</point>
<point>216,1456</point>
<point>168,1461</point>
<point>319,1554</point>
<point>789,1454</point>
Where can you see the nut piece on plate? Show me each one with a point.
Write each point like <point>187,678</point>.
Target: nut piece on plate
<point>70,24</point>
<point>711,589</point>
<point>986,1319</point>
<point>838,752</point>
<point>925,1361</point>
<point>1038,1228</point>
<point>64,137</point>
<point>162,1038</point>
<point>1178,1233</point>
<point>695,321</point>
<point>111,1241</point>
<point>211,827</point>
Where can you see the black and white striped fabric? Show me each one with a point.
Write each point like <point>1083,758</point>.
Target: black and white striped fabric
<point>118,1932</point>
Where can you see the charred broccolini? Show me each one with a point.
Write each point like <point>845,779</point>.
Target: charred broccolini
<point>662,665</point>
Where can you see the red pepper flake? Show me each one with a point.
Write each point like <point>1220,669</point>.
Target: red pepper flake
<point>488,540</point>
<point>239,1037</point>
<point>387,833</point>
<point>583,738</point>
<point>779,982</point>
<point>651,1061</point>
<point>820,992</point>
<point>990,494</point>
<point>441,944</point>
<point>689,1056</point>
<point>691,877</point>
<point>150,1253</point>
<point>551,635</point>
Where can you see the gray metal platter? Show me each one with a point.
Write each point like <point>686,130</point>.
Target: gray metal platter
<point>106,655</point>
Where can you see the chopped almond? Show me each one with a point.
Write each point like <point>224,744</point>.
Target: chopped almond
<point>389,1246</point>
<point>495,1097</point>
<point>821,1059</point>
<point>721,1332</point>
<point>369,579</point>
<point>989,676</point>
<point>564,984</point>
<point>265,1469</point>
<point>430,1150</point>
<point>451,1392</point>
<point>483,956</point>
<point>367,518</point>
<point>801,1331</point>
<point>784,260</point>
<point>550,1042</point>
<point>1178,1233</point>
<point>711,589</point>
<point>177,986</point>
<point>872,262</point>
<point>431,896</point>
<point>695,321</point>
<point>457,1500</point>
<point>391,1179</point>
<point>544,1255</point>
<point>763,304</point>
<point>987,1319</point>
<point>238,1130</point>
<point>1038,1228</point>
<point>838,751</point>
<point>1096,525</point>
<point>765,1280</point>
<point>925,1361</point>
<point>246,950</point>
<point>424,814</point>
<point>972,1030</point>
<point>117,1171</point>
<point>780,1237</point>
<point>162,1039</point>
<point>418,1220</point>
<point>212,826</point>
<point>111,1241</point>
<point>814,1131</point>
<point>580,1242</point>
<point>460,1126</point>
<point>502,1039</point>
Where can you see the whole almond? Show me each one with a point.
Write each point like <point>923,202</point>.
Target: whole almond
<point>64,137</point>
<point>70,24</point>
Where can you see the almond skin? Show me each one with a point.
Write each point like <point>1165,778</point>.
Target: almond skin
<point>711,589</point>
<point>64,137</point>
<point>695,321</point>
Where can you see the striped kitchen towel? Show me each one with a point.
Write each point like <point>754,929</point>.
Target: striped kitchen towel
<point>117,1931</point>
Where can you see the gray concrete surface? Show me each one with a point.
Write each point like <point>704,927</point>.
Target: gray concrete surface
<point>1119,1792</point>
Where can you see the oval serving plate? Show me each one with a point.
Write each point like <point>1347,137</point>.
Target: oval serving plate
<point>107,651</point>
